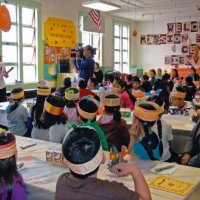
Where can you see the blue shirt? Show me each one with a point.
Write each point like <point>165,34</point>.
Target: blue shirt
<point>85,67</point>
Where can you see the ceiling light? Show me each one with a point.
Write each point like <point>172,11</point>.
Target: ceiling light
<point>101,5</point>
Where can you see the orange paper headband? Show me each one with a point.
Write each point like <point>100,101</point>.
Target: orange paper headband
<point>71,96</point>
<point>178,94</point>
<point>86,115</point>
<point>112,102</point>
<point>43,91</point>
<point>87,167</point>
<point>17,95</point>
<point>8,150</point>
<point>146,115</point>
<point>53,109</point>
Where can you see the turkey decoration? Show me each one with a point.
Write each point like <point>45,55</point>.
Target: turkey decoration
<point>134,33</point>
<point>5,21</point>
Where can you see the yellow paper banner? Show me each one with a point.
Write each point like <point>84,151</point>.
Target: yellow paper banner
<point>60,32</point>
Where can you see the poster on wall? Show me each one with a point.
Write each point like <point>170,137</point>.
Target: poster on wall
<point>186,26</point>
<point>143,40</point>
<point>163,38</point>
<point>185,49</point>
<point>170,28</point>
<point>157,39</point>
<point>194,26</point>
<point>185,38</point>
<point>60,32</point>
<point>170,38</point>
<point>167,60</point>
<point>177,38</point>
<point>50,71</point>
<point>150,39</point>
<point>198,38</point>
<point>178,27</point>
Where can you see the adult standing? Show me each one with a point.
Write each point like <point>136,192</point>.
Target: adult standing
<point>85,66</point>
<point>3,74</point>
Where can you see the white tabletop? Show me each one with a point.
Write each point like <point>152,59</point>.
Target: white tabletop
<point>41,176</point>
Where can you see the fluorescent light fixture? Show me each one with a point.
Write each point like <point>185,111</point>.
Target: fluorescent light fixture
<point>101,5</point>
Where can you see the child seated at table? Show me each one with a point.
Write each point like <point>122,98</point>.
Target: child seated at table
<point>129,82</point>
<point>71,98</point>
<point>83,91</point>
<point>40,129</point>
<point>179,105</point>
<point>17,114</point>
<point>86,115</point>
<point>67,84</point>
<point>165,130</point>
<point>113,126</point>
<point>54,117</point>
<point>84,155</point>
<point>145,84</point>
<point>11,182</point>
<point>145,143</point>
<point>93,84</point>
<point>126,98</point>
<point>191,155</point>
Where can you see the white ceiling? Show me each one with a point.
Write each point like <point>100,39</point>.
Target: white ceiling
<point>161,10</point>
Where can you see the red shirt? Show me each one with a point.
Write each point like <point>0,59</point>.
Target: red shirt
<point>85,92</point>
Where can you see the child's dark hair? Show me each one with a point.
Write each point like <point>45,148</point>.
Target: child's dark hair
<point>109,77</point>
<point>114,109</point>
<point>67,82</point>
<point>166,77</point>
<point>72,103</point>
<point>94,81</point>
<point>91,49</point>
<point>37,111</point>
<point>51,119</point>
<point>129,77</point>
<point>189,81</point>
<point>8,166</point>
<point>136,79</point>
<point>153,71</point>
<point>180,89</point>
<point>176,72</point>
<point>193,69</point>
<point>82,84</point>
<point>81,146</point>
<point>87,106</point>
<point>97,64</point>
<point>123,84</point>
<point>145,77</point>
<point>16,101</point>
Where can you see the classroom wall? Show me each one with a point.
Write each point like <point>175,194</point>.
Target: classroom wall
<point>153,56</point>
<point>71,9</point>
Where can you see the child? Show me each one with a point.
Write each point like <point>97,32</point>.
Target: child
<point>93,84</point>
<point>113,126</point>
<point>83,153</point>
<point>129,82</point>
<point>83,91</point>
<point>190,89</point>
<point>54,117</point>
<point>191,155</point>
<point>145,143</point>
<point>179,105</point>
<point>17,114</point>
<point>71,98</point>
<point>11,182</point>
<point>146,85</point>
<point>152,75</point>
<point>67,84</point>
<point>98,73</point>
<point>86,115</point>
<point>40,128</point>
<point>127,100</point>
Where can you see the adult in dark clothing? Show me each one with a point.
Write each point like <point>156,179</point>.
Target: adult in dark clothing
<point>98,73</point>
<point>193,74</point>
<point>152,75</point>
<point>190,89</point>
<point>129,81</point>
<point>146,85</point>
<point>85,66</point>
<point>67,84</point>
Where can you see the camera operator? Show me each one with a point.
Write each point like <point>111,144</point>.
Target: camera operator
<point>85,66</point>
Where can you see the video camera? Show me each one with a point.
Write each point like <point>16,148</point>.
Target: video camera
<point>79,48</point>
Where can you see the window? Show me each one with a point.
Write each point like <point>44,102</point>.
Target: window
<point>19,46</point>
<point>121,47</point>
<point>93,39</point>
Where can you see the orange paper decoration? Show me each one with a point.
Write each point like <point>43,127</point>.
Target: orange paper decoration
<point>5,21</point>
<point>134,33</point>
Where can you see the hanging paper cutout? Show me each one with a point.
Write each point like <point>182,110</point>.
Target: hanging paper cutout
<point>5,21</point>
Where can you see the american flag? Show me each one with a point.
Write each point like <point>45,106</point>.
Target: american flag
<point>96,17</point>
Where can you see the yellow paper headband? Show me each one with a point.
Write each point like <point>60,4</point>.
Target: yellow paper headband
<point>178,94</point>
<point>111,102</point>
<point>146,115</point>
<point>87,167</point>
<point>53,109</point>
<point>86,115</point>
<point>8,150</point>
<point>71,96</point>
<point>43,91</point>
<point>18,95</point>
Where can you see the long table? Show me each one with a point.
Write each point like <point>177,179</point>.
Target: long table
<point>41,176</point>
